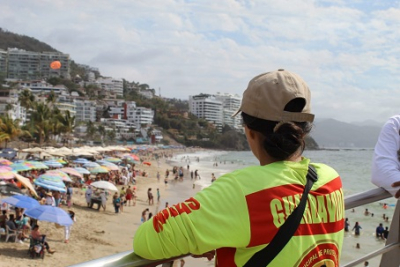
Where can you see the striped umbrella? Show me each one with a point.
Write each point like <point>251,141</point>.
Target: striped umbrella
<point>81,161</point>
<point>6,173</point>
<point>99,170</point>
<point>71,171</point>
<point>53,163</point>
<point>65,177</point>
<point>112,159</point>
<point>110,167</point>
<point>37,165</point>
<point>91,165</point>
<point>5,162</point>
<point>50,182</point>
<point>20,167</point>
<point>61,161</point>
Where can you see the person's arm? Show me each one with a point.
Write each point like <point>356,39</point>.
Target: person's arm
<point>215,217</point>
<point>385,165</point>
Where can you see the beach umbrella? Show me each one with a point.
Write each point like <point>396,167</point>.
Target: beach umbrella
<point>8,153</point>
<point>65,177</point>
<point>110,167</point>
<point>82,170</point>
<point>37,165</point>
<point>5,162</point>
<point>8,189</point>
<point>50,214</point>
<point>132,156</point>
<point>53,164</point>
<point>104,185</point>
<point>112,159</point>
<point>71,171</point>
<point>6,173</point>
<point>26,182</point>
<point>61,161</point>
<point>91,165</point>
<point>50,182</point>
<point>99,170</point>
<point>20,167</point>
<point>21,201</point>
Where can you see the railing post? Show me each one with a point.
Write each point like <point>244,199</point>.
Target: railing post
<point>392,258</point>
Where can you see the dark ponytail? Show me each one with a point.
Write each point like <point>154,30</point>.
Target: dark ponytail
<point>282,139</point>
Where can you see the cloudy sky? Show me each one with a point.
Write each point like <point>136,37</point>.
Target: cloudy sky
<point>347,51</point>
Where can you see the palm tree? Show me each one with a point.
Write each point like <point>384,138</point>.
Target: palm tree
<point>90,130</point>
<point>51,98</point>
<point>26,99</point>
<point>40,118</point>
<point>9,129</point>
<point>68,124</point>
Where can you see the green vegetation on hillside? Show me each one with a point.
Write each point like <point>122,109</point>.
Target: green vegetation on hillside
<point>13,40</point>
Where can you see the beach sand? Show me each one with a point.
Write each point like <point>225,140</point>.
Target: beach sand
<point>101,233</point>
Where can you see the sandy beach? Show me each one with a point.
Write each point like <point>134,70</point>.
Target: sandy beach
<point>101,233</point>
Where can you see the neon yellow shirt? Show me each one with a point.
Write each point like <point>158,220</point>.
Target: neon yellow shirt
<point>240,213</point>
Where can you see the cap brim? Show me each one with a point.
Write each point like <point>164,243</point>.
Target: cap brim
<point>236,113</point>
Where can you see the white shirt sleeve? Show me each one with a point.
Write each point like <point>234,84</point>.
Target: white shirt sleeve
<point>385,164</point>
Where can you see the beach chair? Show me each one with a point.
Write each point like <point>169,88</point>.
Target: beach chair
<point>36,248</point>
<point>12,233</point>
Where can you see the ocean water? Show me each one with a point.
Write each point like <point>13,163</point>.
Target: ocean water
<point>354,167</point>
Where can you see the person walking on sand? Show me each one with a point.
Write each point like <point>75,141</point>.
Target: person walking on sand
<point>103,199</point>
<point>158,195</point>
<point>88,195</point>
<point>239,215</point>
<point>158,176</point>
<point>150,197</point>
<point>129,195</point>
<point>67,228</point>
<point>116,202</point>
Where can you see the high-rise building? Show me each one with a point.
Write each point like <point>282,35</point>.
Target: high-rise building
<point>3,63</point>
<point>231,103</point>
<point>85,110</point>
<point>28,65</point>
<point>207,107</point>
<point>111,85</point>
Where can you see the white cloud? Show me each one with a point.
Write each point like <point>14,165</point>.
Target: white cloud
<point>346,50</point>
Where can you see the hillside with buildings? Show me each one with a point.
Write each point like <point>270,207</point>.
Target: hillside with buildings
<point>74,104</point>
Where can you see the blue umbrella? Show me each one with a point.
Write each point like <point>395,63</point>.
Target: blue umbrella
<point>91,165</point>
<point>19,167</point>
<point>53,163</point>
<point>82,170</point>
<point>50,182</point>
<point>81,160</point>
<point>50,214</point>
<point>21,201</point>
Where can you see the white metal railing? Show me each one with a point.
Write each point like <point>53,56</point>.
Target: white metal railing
<point>390,253</point>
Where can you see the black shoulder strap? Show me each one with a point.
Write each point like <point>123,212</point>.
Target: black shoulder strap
<point>287,230</point>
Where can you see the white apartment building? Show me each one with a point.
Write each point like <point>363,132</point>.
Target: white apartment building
<point>85,110</point>
<point>143,116</point>
<point>40,86</point>
<point>207,107</point>
<point>230,103</point>
<point>9,105</point>
<point>146,93</point>
<point>111,85</point>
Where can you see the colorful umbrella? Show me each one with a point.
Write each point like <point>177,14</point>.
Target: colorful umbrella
<point>82,170</point>
<point>20,167</point>
<point>99,170</point>
<point>132,156</point>
<point>6,173</point>
<point>5,162</point>
<point>21,201</point>
<point>61,161</point>
<point>91,165</point>
<point>71,171</point>
<point>26,182</point>
<point>65,177</point>
<point>50,182</point>
<point>111,159</point>
<point>81,160</point>
<point>53,163</point>
<point>50,214</point>
<point>37,165</point>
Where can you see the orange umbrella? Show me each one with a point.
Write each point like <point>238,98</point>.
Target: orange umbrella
<point>147,163</point>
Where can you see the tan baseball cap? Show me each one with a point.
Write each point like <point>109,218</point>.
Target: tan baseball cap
<point>267,95</point>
